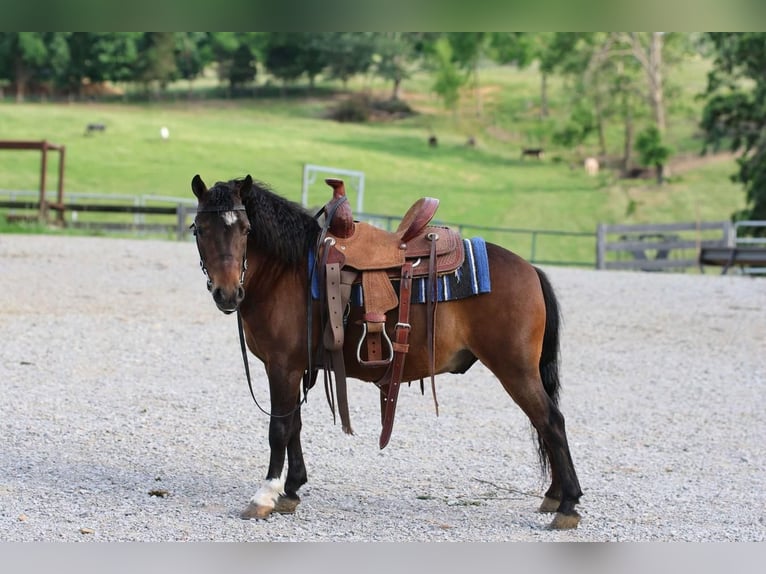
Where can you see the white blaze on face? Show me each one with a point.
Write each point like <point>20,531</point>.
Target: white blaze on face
<point>229,217</point>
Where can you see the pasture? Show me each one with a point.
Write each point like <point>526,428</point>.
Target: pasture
<point>127,417</point>
<point>486,185</point>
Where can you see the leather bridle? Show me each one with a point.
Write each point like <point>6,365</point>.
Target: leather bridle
<point>202,265</point>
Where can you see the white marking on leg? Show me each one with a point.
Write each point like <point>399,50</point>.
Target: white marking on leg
<point>269,492</point>
<point>229,217</point>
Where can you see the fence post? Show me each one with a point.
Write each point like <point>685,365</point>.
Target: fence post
<point>601,246</point>
<point>181,218</point>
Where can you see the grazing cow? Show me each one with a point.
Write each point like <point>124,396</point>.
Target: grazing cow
<point>591,166</point>
<point>532,152</point>
<point>90,128</point>
<point>432,141</point>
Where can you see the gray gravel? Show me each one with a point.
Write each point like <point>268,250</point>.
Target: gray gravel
<point>120,378</point>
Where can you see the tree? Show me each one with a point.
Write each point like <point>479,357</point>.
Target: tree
<point>467,49</point>
<point>100,57</point>
<point>289,55</point>
<point>395,57</point>
<point>735,112</point>
<point>156,59</point>
<point>448,78</point>
<point>348,54</point>
<point>652,151</point>
<point>522,49</point>
<point>27,57</point>
<point>193,53</point>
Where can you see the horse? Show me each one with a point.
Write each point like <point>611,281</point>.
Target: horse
<point>255,247</point>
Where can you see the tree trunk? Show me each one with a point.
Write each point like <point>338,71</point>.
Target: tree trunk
<point>629,132</point>
<point>544,95</point>
<point>650,59</point>
<point>660,173</point>
<point>397,89</point>
<point>600,125</point>
<point>655,80</point>
<point>22,76</point>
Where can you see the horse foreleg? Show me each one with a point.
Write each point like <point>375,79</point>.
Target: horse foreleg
<point>296,470</point>
<point>277,492</point>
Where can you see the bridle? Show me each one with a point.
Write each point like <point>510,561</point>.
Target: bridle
<point>241,330</point>
<point>202,265</point>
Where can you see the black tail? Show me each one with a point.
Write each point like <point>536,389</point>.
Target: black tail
<point>549,358</point>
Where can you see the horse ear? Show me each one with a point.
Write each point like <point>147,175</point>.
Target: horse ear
<point>246,185</point>
<point>198,186</point>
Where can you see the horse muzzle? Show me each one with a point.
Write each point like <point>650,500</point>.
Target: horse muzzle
<point>228,300</point>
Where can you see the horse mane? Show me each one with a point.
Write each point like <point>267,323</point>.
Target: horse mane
<point>279,227</point>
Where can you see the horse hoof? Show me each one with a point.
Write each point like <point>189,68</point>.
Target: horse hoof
<point>256,511</point>
<point>549,505</point>
<point>565,521</point>
<point>286,505</point>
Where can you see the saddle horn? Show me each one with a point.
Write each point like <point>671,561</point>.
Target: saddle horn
<point>342,222</point>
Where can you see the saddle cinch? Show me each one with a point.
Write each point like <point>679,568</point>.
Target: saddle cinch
<point>354,252</point>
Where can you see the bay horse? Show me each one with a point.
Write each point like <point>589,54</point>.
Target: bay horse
<point>254,249</point>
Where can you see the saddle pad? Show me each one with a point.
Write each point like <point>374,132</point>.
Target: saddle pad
<point>471,278</point>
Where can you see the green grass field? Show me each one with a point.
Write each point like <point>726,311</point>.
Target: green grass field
<point>272,138</point>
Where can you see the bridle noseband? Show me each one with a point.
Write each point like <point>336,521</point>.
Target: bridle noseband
<point>202,265</point>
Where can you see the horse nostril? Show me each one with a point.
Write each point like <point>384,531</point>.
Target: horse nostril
<point>217,295</point>
<point>240,293</point>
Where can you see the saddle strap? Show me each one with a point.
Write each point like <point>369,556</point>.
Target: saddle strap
<point>432,299</point>
<point>337,293</point>
<point>393,376</point>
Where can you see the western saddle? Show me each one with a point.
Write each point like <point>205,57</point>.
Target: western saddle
<point>353,252</point>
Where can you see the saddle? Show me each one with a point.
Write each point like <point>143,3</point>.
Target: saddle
<point>357,253</point>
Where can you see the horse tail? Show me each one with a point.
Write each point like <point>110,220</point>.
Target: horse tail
<point>549,358</point>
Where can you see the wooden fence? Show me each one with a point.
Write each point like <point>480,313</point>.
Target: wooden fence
<point>658,247</point>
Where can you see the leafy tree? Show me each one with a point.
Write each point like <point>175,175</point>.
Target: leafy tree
<point>193,53</point>
<point>467,49</point>
<point>100,57</point>
<point>735,112</point>
<point>396,54</point>
<point>448,78</point>
<point>27,57</point>
<point>348,54</point>
<point>290,55</point>
<point>156,59</point>
<point>652,151</point>
<point>522,49</point>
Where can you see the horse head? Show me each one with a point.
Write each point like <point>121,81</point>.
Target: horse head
<point>221,227</point>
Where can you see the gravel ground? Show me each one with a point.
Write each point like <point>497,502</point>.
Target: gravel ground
<point>120,378</point>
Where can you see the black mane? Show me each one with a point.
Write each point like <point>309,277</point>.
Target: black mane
<point>280,228</point>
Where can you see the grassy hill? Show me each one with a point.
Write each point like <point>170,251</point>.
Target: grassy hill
<point>272,137</point>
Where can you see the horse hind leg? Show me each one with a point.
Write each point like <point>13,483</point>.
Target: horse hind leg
<point>565,487</point>
<point>528,392</point>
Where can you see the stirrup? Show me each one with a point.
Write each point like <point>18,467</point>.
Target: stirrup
<point>377,363</point>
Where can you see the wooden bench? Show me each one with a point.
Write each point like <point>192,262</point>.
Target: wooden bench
<point>728,257</point>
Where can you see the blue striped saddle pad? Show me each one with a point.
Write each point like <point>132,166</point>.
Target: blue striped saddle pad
<point>471,278</point>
